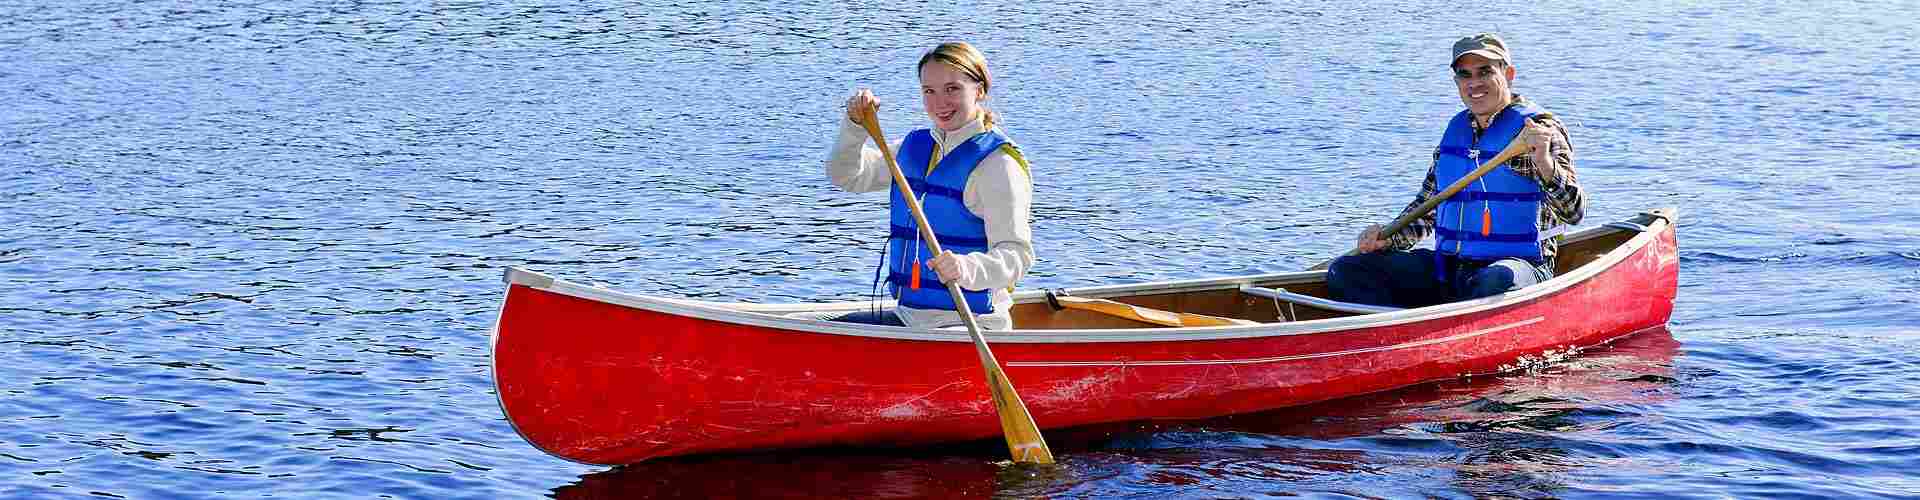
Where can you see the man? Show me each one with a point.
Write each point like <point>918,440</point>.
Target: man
<point>1498,233</point>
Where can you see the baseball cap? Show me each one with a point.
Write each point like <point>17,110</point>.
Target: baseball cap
<point>1486,45</point>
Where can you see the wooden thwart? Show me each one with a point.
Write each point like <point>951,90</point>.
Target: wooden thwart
<point>1146,314</point>
<point>1281,294</point>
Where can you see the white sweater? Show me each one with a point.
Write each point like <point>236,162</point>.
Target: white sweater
<point>998,191</point>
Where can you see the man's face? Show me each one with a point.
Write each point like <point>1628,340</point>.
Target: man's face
<point>1485,85</point>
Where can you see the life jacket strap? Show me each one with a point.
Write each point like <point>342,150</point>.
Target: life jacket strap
<point>1471,196</point>
<point>947,241</point>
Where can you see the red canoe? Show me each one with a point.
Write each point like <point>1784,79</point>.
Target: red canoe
<point>604,377</point>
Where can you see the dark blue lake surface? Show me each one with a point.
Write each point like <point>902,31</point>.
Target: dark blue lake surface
<point>254,249</point>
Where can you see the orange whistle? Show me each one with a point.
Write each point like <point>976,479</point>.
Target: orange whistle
<point>1486,222</point>
<point>915,281</point>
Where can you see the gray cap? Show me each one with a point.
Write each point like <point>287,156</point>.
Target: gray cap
<point>1486,45</point>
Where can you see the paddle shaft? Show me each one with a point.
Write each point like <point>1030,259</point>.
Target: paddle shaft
<point>1023,436</point>
<point>1514,148</point>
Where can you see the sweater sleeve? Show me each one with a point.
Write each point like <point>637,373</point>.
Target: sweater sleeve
<point>856,166</point>
<point>999,192</point>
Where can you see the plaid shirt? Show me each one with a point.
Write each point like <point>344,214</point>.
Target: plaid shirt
<point>1565,203</point>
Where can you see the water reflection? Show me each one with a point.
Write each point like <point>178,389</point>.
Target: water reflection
<point>905,474</point>
<point>1505,435</point>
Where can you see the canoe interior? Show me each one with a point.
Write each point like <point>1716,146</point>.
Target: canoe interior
<point>1038,315</point>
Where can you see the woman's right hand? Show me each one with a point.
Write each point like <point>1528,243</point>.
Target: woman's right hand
<point>862,99</point>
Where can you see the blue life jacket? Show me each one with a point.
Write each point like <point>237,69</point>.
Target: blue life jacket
<point>1498,215</point>
<point>941,190</point>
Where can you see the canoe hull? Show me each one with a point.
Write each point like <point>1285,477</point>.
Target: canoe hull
<point>606,383</point>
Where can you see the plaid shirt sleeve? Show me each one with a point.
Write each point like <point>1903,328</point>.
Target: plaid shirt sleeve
<point>1565,203</point>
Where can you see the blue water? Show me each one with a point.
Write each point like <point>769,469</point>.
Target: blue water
<point>254,248</point>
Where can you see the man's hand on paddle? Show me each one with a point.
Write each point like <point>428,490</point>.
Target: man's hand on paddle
<point>1370,239</point>
<point>1541,140</point>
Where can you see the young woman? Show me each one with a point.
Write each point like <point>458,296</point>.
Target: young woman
<point>973,185</point>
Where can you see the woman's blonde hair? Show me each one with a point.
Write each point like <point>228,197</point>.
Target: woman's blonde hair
<point>969,60</point>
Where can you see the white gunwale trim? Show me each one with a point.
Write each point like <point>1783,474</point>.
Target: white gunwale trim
<point>1276,359</point>
<point>770,315</point>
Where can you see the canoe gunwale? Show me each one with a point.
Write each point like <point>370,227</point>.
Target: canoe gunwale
<point>770,316</point>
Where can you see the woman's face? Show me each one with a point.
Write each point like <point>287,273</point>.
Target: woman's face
<point>951,97</point>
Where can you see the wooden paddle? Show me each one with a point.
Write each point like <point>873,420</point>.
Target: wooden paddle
<point>1146,315</point>
<point>1515,148</point>
<point>1023,437</point>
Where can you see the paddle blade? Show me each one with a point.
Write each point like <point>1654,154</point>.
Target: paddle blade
<point>1145,314</point>
<point>1023,436</point>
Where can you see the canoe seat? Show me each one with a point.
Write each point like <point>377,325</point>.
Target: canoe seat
<point>1281,294</point>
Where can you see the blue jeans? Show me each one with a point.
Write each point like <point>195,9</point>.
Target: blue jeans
<point>1409,278</point>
